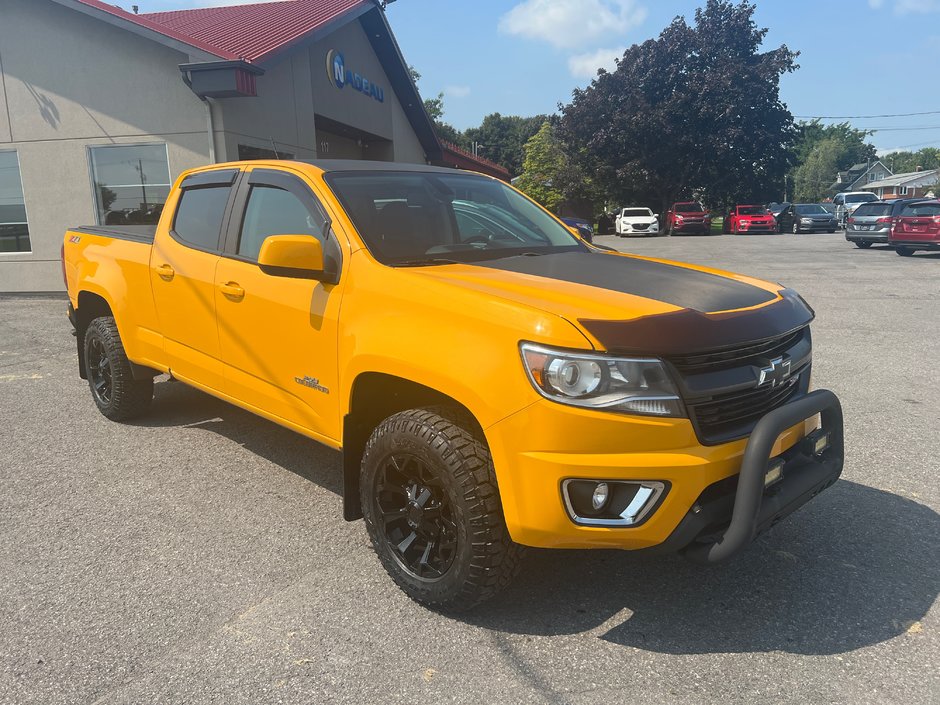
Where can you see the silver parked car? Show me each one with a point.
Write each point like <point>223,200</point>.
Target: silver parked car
<point>871,222</point>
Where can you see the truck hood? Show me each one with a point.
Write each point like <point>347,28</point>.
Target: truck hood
<point>626,303</point>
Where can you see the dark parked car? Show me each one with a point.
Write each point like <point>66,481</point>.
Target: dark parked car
<point>917,228</point>
<point>871,222</point>
<point>585,229</point>
<point>805,218</point>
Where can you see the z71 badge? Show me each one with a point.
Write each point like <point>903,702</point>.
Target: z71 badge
<point>312,382</point>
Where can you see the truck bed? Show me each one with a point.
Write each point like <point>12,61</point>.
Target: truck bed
<point>135,233</point>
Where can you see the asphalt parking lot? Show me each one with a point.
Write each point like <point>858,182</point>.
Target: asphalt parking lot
<point>199,555</point>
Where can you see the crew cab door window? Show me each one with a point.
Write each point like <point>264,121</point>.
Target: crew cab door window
<point>198,219</point>
<point>274,211</point>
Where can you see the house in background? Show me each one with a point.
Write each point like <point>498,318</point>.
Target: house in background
<point>101,109</point>
<point>909,185</point>
<point>859,176</point>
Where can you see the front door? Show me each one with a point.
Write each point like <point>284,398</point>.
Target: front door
<point>278,335</point>
<point>182,274</point>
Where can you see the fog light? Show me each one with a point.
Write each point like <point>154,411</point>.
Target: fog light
<point>599,498</point>
<point>821,444</point>
<point>774,473</point>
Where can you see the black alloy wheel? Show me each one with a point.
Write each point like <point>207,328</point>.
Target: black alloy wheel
<point>99,371</point>
<point>417,518</point>
<point>117,394</point>
<point>431,505</point>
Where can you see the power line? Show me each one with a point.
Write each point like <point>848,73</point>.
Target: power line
<point>863,117</point>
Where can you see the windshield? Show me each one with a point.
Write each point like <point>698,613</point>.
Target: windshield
<point>689,208</point>
<point>418,218</point>
<point>860,197</point>
<point>810,210</point>
<point>637,213</point>
<point>873,209</point>
<point>752,210</point>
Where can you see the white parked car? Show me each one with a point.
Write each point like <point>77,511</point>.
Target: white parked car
<point>846,202</point>
<point>636,221</point>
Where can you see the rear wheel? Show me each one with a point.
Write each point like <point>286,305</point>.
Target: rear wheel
<point>432,509</point>
<point>904,251</point>
<point>862,244</point>
<point>116,393</point>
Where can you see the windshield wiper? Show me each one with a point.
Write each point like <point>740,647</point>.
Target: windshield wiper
<point>426,262</point>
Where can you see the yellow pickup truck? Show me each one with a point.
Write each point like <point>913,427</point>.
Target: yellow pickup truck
<point>492,380</point>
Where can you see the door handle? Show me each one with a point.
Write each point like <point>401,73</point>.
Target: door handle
<point>233,291</point>
<point>166,272</point>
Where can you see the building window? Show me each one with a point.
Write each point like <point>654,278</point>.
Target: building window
<point>14,230</point>
<point>131,183</point>
<point>903,190</point>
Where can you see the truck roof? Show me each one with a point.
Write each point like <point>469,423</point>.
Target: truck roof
<point>337,165</point>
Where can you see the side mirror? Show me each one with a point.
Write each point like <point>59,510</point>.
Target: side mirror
<point>574,230</point>
<point>655,215</point>
<point>295,256</point>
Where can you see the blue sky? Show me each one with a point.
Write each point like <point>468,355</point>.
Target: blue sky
<point>858,57</point>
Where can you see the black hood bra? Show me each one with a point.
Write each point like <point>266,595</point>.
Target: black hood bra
<point>700,296</point>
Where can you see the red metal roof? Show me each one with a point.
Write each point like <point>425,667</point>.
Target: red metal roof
<point>157,27</point>
<point>252,32</point>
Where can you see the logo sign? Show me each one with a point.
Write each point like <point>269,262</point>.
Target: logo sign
<point>341,77</point>
<point>775,374</point>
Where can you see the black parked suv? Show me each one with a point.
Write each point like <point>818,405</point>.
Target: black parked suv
<point>806,217</point>
<point>871,222</point>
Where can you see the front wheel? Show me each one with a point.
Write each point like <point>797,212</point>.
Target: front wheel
<point>796,229</point>
<point>116,393</point>
<point>904,251</point>
<point>433,512</point>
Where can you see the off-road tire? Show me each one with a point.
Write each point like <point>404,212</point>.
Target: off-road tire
<point>862,244</point>
<point>486,558</point>
<point>126,397</point>
<point>904,251</point>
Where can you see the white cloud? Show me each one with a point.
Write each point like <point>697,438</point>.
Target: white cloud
<point>908,7</point>
<point>457,91</point>
<point>567,24</point>
<point>586,65</point>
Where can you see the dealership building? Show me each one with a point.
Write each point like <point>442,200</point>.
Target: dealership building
<point>101,108</point>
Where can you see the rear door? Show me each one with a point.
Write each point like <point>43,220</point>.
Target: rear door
<point>278,335</point>
<point>182,273</point>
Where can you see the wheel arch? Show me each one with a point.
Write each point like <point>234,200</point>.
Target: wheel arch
<point>92,305</point>
<point>375,396</point>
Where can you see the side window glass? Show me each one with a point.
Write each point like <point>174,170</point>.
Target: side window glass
<point>274,211</point>
<point>199,215</point>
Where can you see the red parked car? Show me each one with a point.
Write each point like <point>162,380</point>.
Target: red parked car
<point>688,217</point>
<point>750,219</point>
<point>916,228</point>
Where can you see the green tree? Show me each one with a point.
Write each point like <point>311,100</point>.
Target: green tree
<point>696,108</point>
<point>812,178</point>
<point>503,138</point>
<point>900,162</point>
<point>849,147</point>
<point>552,178</point>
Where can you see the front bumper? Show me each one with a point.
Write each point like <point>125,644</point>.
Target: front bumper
<point>757,228</point>
<point>537,449</point>
<point>692,227</point>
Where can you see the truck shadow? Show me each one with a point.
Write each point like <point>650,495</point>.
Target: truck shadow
<point>855,567</point>
<point>176,404</point>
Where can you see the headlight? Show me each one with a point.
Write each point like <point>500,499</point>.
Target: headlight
<point>806,220</point>
<point>595,381</point>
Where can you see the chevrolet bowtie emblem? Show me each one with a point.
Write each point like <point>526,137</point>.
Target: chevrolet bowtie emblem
<point>776,373</point>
